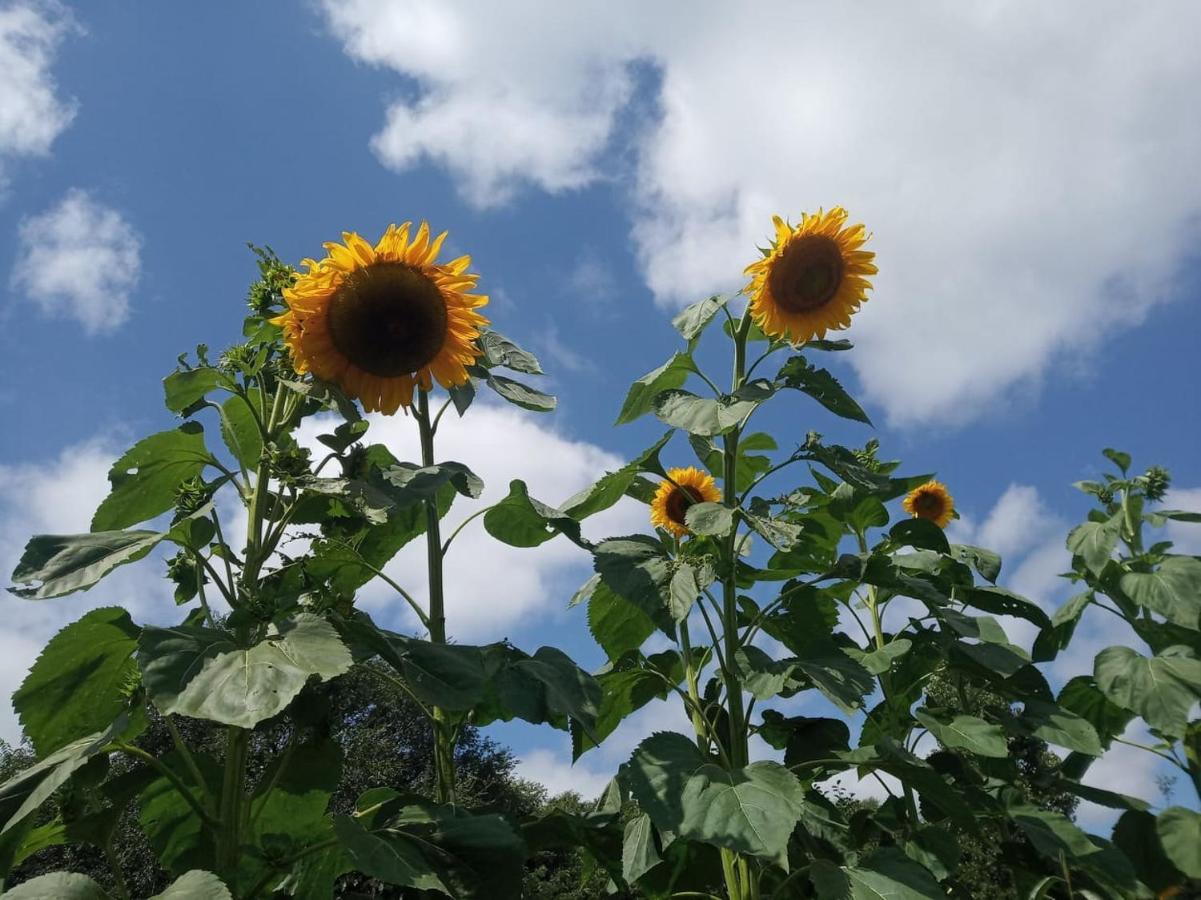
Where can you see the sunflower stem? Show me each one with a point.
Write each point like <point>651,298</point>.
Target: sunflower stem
<point>444,741</point>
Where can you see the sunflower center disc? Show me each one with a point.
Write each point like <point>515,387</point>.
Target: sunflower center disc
<point>388,319</point>
<point>928,505</point>
<point>808,273</point>
<point>677,504</point>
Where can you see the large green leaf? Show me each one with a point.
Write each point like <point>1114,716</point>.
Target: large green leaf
<point>58,886</point>
<point>195,885</point>
<point>750,810</point>
<point>289,804</point>
<point>1060,726</point>
<point>1002,602</point>
<point>452,676</point>
<point>986,562</point>
<point>616,624</point>
<point>391,856</point>
<point>1161,688</point>
<point>79,683</point>
<point>1173,590</point>
<point>693,319</point>
<point>1137,836</point>
<point>1094,542</point>
<point>199,672</point>
<point>969,733</point>
<point>702,415</point>
<point>624,691</point>
<point>546,687</point>
<point>656,775</point>
<point>240,429</point>
<point>180,840</point>
<point>888,874</point>
<point>521,394</point>
<point>501,351</point>
<point>844,681</point>
<point>612,486</point>
<point>30,788</point>
<point>54,565</point>
<point>187,387</point>
<point>1180,833</point>
<point>145,478</point>
<point>638,852</point>
<point>641,397</point>
<point>920,533</point>
<point>823,387</point>
<point>637,569</point>
<point>1051,833</point>
<point>521,521</point>
<point>1082,697</point>
<point>408,483</point>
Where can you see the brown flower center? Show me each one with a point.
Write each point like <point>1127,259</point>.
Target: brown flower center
<point>928,505</point>
<point>678,502</point>
<point>807,274</point>
<point>388,319</point>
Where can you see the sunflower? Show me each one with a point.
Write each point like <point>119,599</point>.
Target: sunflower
<point>812,279</point>
<point>930,501</point>
<point>682,488</point>
<point>378,321</point>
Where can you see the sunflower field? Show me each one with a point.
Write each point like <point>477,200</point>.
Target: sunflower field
<point>763,574</point>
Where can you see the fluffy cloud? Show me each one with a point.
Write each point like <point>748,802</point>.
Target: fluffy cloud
<point>1028,173</point>
<point>491,587</point>
<point>79,260</point>
<point>32,114</point>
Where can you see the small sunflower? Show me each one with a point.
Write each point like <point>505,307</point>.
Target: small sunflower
<point>930,501</point>
<point>813,278</point>
<point>378,321</point>
<point>682,489</point>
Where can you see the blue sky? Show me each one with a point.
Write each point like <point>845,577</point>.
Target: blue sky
<point>1036,210</point>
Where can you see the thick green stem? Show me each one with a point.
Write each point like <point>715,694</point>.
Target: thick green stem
<point>444,744</point>
<point>690,676</point>
<point>233,803</point>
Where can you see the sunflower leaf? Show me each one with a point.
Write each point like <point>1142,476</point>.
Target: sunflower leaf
<point>800,374</point>
<point>54,565</point>
<point>643,392</point>
<point>501,351</point>
<point>702,415</point>
<point>695,318</point>
<point>145,478</point>
<point>521,521</point>
<point>612,486</point>
<point>521,395</point>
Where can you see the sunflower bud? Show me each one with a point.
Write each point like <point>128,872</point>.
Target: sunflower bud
<point>1156,482</point>
<point>191,496</point>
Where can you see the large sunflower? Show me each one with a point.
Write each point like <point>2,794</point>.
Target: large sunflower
<point>813,278</point>
<point>930,501</point>
<point>378,321</point>
<point>682,489</point>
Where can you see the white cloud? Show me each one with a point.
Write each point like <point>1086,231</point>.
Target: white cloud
<point>489,585</point>
<point>32,114</point>
<point>1018,521</point>
<point>1029,177</point>
<point>79,260</point>
<point>557,775</point>
<point>562,355</point>
<point>1124,770</point>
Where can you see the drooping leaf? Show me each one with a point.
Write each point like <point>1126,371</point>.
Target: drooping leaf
<point>1064,728</point>
<point>920,533</point>
<point>187,387</point>
<point>626,690</point>
<point>702,415</point>
<point>1094,542</point>
<point>616,624</point>
<point>823,387</point>
<point>1136,835</point>
<point>887,874</point>
<point>78,684</point>
<point>521,394</point>
<point>641,397</point>
<point>969,733</point>
<point>200,672</point>
<point>146,476</point>
<point>637,569</point>
<point>1161,688</point>
<point>1002,602</point>
<point>693,318</point>
<point>195,885</point>
<point>844,681</point>
<point>986,562</point>
<point>1051,832</point>
<point>58,886</point>
<point>408,483</point>
<point>656,774</point>
<point>612,486</point>
<point>1180,834</point>
<point>392,856</point>
<point>521,521</point>
<point>546,687</point>
<point>1082,697</point>
<point>715,519</point>
<point>638,852</point>
<point>750,810</point>
<point>54,565</point>
<point>1173,590</point>
<point>501,351</point>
